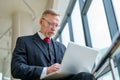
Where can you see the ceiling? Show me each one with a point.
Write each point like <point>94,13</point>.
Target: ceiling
<point>8,7</point>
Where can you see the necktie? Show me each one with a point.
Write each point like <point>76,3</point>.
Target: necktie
<point>47,39</point>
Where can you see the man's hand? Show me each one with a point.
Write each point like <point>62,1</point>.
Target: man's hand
<point>53,68</point>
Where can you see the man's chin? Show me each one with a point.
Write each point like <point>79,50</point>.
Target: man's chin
<point>50,35</point>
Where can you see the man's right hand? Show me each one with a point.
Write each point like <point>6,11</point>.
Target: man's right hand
<point>53,68</point>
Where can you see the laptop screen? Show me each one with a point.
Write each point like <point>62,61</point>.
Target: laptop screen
<point>78,59</point>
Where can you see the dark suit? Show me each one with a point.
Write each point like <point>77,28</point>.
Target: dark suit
<point>29,57</point>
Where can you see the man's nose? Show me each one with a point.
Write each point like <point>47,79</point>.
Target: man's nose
<point>54,28</point>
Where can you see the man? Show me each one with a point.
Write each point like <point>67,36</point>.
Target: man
<point>37,55</point>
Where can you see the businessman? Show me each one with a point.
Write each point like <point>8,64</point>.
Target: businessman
<point>37,55</point>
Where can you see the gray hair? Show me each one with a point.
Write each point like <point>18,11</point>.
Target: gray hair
<point>50,11</point>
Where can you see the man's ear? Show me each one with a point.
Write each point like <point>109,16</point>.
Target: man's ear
<point>41,21</point>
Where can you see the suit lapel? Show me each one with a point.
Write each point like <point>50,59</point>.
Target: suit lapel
<point>37,40</point>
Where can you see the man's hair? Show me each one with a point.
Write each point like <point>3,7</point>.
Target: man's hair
<point>50,11</point>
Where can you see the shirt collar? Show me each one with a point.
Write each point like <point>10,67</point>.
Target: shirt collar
<point>41,35</point>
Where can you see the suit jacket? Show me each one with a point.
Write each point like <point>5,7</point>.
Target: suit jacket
<point>29,57</point>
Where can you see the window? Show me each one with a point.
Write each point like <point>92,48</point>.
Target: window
<point>98,26</point>
<point>107,76</point>
<point>65,35</point>
<point>116,4</point>
<point>77,25</point>
<point>95,29</point>
<point>58,39</point>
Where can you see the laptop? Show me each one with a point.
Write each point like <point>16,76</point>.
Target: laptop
<point>76,59</point>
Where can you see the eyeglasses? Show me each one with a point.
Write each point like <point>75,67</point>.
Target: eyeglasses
<point>50,24</point>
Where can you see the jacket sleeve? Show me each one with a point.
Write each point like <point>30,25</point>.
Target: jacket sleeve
<point>19,67</point>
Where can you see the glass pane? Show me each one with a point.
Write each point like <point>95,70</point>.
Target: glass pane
<point>77,25</point>
<point>65,35</point>
<point>84,0</point>
<point>117,74</point>
<point>107,76</point>
<point>117,62</point>
<point>99,31</point>
<point>116,4</point>
<point>58,39</point>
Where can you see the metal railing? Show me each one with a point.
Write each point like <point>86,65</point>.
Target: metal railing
<point>108,62</point>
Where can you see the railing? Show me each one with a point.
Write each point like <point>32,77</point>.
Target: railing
<point>110,61</point>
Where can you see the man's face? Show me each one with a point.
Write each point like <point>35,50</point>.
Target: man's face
<point>49,25</point>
